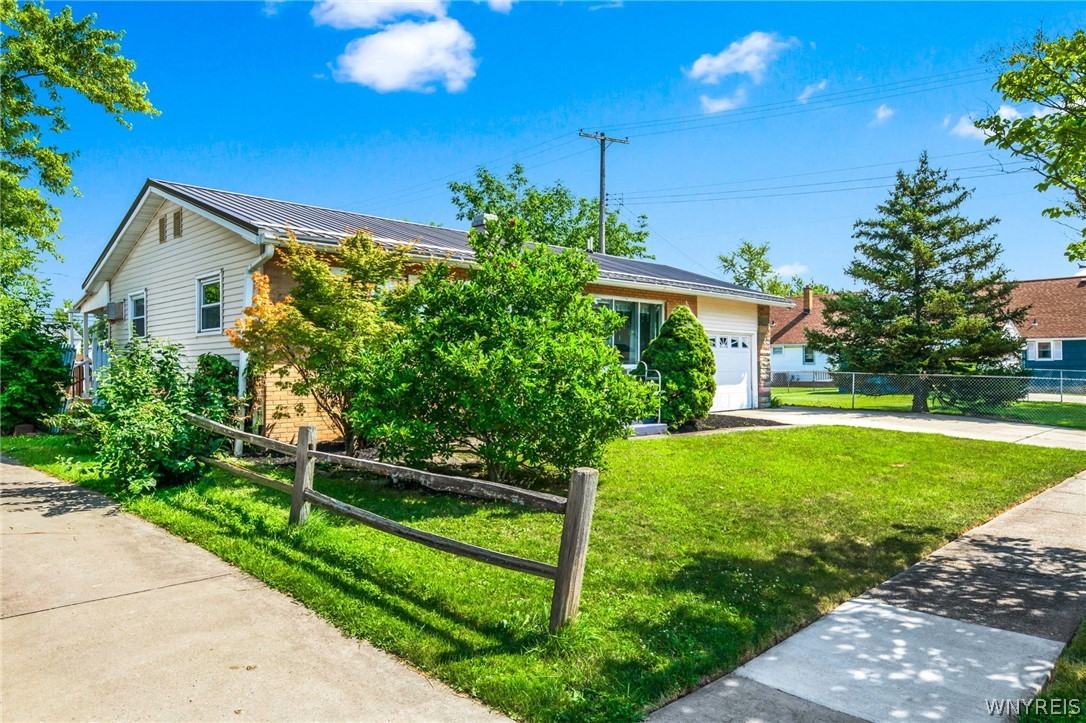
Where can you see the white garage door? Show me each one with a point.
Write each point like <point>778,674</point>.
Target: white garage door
<point>733,371</point>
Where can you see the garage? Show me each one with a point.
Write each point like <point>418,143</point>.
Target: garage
<point>734,371</point>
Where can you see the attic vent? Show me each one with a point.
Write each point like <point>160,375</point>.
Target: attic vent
<point>177,224</point>
<point>162,230</point>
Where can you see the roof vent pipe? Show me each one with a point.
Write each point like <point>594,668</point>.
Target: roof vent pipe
<point>479,222</point>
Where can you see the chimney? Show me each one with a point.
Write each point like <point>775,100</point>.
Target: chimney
<point>479,222</point>
<point>808,299</point>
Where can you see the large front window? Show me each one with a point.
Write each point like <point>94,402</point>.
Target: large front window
<point>640,324</point>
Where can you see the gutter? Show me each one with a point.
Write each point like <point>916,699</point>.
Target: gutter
<point>267,251</point>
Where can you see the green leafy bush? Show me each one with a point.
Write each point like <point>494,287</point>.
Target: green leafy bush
<point>682,355</point>
<point>215,387</point>
<point>34,371</point>
<point>511,366</point>
<point>138,417</point>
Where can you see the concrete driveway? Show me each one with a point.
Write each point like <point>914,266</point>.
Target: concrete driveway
<point>968,427</point>
<point>107,617</point>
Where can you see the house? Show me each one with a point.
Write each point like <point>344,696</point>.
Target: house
<point>1055,325</point>
<point>180,265</point>
<point>791,358</point>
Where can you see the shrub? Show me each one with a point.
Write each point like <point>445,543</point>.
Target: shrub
<point>512,365</point>
<point>682,355</point>
<point>214,388</point>
<point>138,416</point>
<point>34,372</point>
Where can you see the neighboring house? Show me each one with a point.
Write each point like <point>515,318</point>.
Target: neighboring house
<point>1055,325</point>
<point>180,265</point>
<point>791,357</point>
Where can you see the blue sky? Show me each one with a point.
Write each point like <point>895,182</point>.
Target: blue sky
<point>374,107</point>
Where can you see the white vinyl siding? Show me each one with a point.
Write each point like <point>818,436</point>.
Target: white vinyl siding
<point>725,315</point>
<point>167,271</point>
<point>137,313</point>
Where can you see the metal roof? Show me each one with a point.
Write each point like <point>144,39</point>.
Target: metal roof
<point>320,225</point>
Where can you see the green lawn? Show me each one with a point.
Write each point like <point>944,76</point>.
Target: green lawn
<point>704,551</point>
<point>1068,683</point>
<point>1057,414</point>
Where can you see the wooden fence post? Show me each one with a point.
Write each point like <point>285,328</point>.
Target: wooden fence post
<point>303,475</point>
<point>574,547</point>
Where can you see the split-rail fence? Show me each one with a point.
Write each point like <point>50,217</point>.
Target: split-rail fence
<point>577,508</point>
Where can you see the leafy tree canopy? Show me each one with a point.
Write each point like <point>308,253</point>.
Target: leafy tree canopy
<point>43,58</point>
<point>934,298</point>
<point>1052,74</point>
<point>553,215</point>
<point>749,266</point>
<point>319,339</point>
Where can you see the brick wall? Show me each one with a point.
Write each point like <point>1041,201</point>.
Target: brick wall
<point>765,391</point>
<point>670,300</point>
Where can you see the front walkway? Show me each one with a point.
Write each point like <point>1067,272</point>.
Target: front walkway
<point>107,617</point>
<point>978,622</point>
<point>969,427</point>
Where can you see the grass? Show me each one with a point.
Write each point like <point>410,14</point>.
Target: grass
<point>1056,414</point>
<point>704,551</point>
<point>1064,697</point>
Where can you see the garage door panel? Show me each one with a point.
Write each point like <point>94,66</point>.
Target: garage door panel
<point>733,371</point>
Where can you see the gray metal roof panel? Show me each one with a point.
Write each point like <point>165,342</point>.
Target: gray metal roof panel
<point>326,225</point>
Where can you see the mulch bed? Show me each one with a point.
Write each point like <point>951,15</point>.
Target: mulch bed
<point>724,421</point>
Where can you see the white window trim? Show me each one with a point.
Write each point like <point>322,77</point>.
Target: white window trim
<point>660,302</point>
<point>803,356</point>
<point>131,311</point>
<point>216,277</point>
<point>1033,350</point>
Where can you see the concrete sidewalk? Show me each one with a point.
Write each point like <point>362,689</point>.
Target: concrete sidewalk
<point>968,427</point>
<point>107,617</point>
<point>982,619</point>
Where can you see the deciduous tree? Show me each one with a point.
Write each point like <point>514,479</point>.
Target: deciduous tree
<point>934,298</point>
<point>749,266</point>
<point>1052,75</point>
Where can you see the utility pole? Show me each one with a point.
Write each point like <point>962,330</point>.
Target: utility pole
<point>604,140</point>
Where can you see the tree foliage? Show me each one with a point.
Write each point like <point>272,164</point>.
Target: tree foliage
<point>553,215</point>
<point>321,337</point>
<point>33,370</point>
<point>933,299</point>
<point>215,388</point>
<point>1052,74</point>
<point>45,58</point>
<point>749,266</point>
<point>511,365</point>
<point>687,367</point>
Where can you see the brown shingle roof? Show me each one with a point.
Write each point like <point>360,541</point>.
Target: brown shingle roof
<point>1058,307</point>
<point>787,325</point>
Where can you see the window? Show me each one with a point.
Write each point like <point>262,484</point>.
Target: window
<point>1044,350</point>
<point>177,224</point>
<point>808,355</point>
<point>641,324</point>
<point>162,230</point>
<point>137,313</point>
<point>778,351</point>
<point>209,304</point>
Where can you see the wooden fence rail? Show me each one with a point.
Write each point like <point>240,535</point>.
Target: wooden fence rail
<point>577,508</point>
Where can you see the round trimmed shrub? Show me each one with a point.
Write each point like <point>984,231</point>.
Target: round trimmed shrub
<point>682,355</point>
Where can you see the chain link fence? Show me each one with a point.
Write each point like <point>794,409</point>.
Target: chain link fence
<point>1054,398</point>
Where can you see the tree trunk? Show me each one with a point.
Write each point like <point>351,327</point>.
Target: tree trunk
<point>920,395</point>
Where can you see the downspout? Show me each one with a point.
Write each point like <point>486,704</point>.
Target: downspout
<point>266,253</point>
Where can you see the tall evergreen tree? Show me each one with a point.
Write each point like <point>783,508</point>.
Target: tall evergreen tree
<point>934,298</point>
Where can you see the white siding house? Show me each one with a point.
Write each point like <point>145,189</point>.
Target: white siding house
<point>791,358</point>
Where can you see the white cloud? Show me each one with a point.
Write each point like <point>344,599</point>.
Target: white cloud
<point>790,270</point>
<point>946,120</point>
<point>342,14</point>
<point>411,56</point>
<point>1008,112</point>
<point>613,5</point>
<point>882,114</point>
<point>271,7</point>
<point>719,105</point>
<point>811,90</point>
<point>500,6</point>
<point>747,56</point>
<point>965,129</point>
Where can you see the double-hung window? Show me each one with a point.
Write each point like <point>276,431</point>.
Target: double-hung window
<point>641,322</point>
<point>808,355</point>
<point>137,313</point>
<point>209,303</point>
